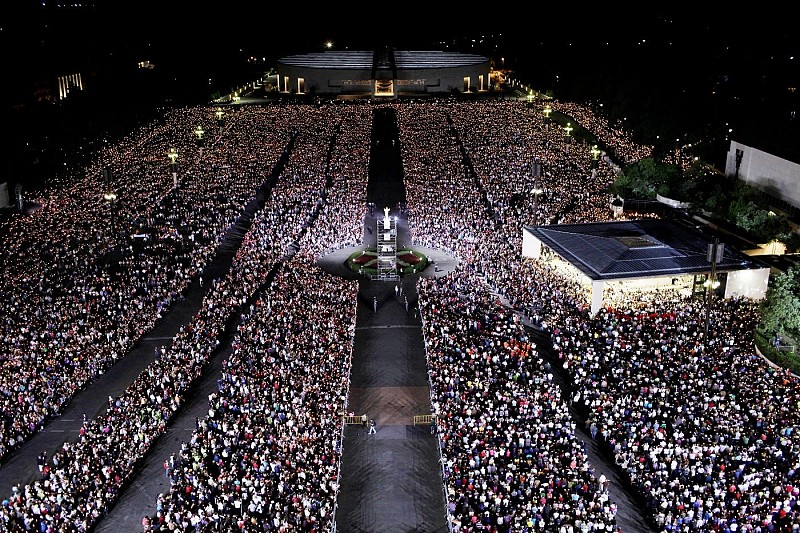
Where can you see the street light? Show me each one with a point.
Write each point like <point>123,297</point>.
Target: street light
<point>173,162</point>
<point>199,132</point>
<point>716,250</point>
<point>111,198</point>
<point>568,131</point>
<point>536,190</point>
<point>546,112</point>
<point>617,206</point>
<point>530,97</point>
<point>595,156</point>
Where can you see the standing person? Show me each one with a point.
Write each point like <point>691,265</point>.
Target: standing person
<point>41,461</point>
<point>372,429</point>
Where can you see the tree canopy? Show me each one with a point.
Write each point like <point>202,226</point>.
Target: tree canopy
<point>780,309</point>
<point>708,191</point>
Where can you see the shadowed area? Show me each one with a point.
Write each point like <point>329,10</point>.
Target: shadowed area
<point>391,480</point>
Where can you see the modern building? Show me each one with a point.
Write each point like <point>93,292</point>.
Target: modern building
<point>777,177</point>
<point>649,252</point>
<point>383,73</point>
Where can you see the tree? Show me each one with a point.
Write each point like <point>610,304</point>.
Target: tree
<point>750,212</point>
<point>780,308</point>
<point>645,178</point>
<point>713,194</point>
<point>791,240</point>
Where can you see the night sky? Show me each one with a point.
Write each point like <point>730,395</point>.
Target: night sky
<point>678,72</point>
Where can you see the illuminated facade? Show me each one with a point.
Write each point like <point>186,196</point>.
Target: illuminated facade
<point>384,73</point>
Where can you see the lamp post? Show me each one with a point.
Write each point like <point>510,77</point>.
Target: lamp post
<point>199,132</point>
<point>536,191</point>
<point>173,163</point>
<point>595,159</point>
<point>546,112</point>
<point>530,97</point>
<point>715,252</point>
<point>111,198</point>
<point>536,174</point>
<point>219,113</point>
<point>595,155</point>
<point>617,206</point>
<point>568,131</point>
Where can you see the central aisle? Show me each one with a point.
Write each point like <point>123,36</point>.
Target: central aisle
<point>391,481</point>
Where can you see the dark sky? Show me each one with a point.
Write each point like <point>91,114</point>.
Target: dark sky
<point>191,30</point>
<point>708,65</point>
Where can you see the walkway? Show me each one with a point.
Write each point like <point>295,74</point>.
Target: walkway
<point>391,480</point>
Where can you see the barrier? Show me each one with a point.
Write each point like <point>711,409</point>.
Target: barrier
<point>424,420</point>
<point>360,420</point>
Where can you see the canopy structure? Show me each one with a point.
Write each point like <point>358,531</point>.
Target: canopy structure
<point>645,251</point>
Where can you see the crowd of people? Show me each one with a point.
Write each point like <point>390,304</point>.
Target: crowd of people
<point>84,478</point>
<point>703,427</point>
<point>512,459</point>
<point>267,457</point>
<point>85,280</point>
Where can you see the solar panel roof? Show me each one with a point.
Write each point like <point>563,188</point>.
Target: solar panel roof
<point>638,249</point>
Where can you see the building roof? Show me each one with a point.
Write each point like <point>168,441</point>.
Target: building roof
<point>351,59</point>
<point>332,59</point>
<point>435,59</point>
<point>638,249</point>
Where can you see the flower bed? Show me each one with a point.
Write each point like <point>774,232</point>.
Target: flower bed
<point>407,259</point>
<point>366,261</point>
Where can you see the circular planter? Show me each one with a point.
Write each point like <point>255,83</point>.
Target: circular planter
<point>408,261</point>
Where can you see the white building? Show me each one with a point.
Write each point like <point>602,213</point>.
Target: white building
<point>777,177</point>
<point>383,73</point>
<point>646,253</point>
